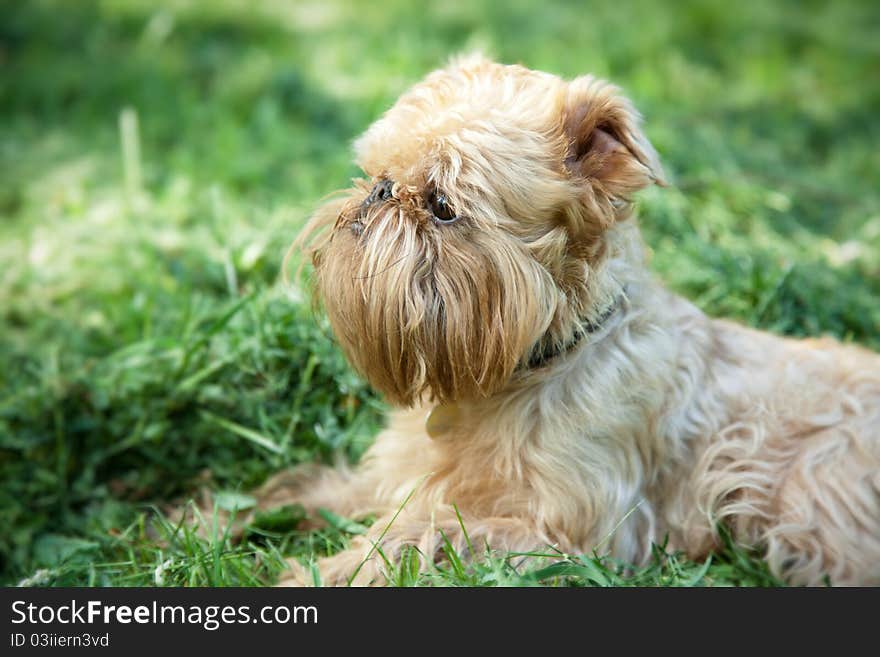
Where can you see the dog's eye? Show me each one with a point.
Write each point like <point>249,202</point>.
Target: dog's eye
<point>441,208</point>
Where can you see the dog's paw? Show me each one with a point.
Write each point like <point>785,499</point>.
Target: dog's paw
<point>351,567</point>
<point>296,576</point>
<point>212,514</point>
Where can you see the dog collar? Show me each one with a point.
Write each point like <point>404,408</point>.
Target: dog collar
<point>586,327</point>
<point>441,420</point>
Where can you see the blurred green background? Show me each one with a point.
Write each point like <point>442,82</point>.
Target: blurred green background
<point>157,159</point>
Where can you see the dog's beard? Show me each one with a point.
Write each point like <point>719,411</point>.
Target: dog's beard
<point>444,313</point>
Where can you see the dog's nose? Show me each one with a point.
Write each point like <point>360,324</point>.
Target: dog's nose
<point>381,192</point>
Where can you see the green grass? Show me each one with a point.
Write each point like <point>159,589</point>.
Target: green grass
<point>156,160</point>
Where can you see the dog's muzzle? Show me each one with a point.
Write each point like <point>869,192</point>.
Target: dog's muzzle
<point>382,191</point>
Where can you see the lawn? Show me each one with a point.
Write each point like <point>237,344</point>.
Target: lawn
<point>158,158</point>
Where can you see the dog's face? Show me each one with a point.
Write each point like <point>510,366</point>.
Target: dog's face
<point>478,231</point>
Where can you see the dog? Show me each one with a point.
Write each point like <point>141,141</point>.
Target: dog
<point>489,278</point>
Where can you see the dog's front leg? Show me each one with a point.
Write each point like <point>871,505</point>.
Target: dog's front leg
<point>372,558</point>
<point>342,490</point>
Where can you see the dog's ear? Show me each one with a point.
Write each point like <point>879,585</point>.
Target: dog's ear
<point>606,145</point>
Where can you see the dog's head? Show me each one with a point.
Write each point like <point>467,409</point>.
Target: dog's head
<point>479,229</point>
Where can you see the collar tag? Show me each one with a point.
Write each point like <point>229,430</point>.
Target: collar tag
<point>441,420</point>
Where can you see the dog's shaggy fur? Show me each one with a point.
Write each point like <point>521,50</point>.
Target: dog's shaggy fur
<point>653,422</point>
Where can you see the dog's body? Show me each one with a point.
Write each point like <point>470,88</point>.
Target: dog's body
<point>557,394</point>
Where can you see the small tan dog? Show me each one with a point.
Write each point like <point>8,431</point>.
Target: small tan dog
<point>489,278</point>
